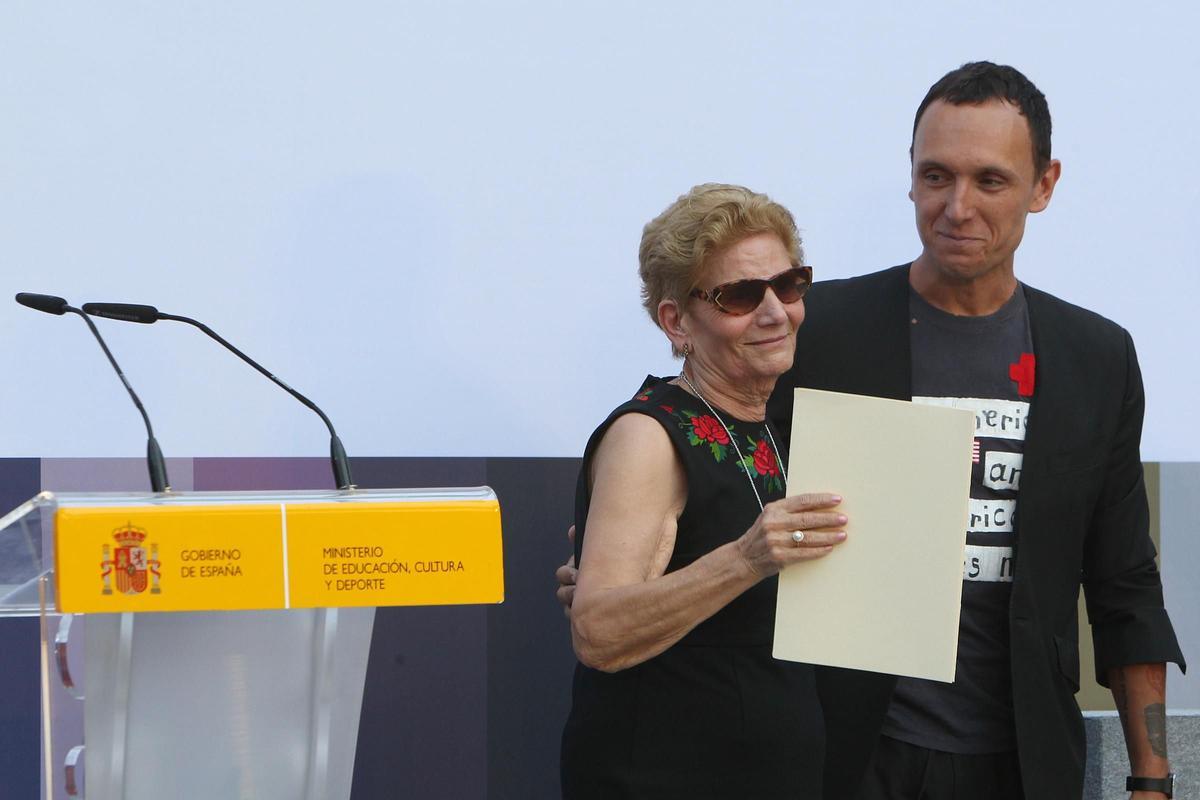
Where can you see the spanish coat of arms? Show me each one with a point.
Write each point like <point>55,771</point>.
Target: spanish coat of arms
<point>133,568</point>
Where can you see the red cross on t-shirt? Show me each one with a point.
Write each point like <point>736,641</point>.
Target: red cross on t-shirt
<point>1022,373</point>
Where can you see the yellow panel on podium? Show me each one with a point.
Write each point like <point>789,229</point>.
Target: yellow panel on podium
<point>391,554</point>
<point>243,551</point>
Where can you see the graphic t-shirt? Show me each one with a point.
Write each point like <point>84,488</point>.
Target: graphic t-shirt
<point>984,364</point>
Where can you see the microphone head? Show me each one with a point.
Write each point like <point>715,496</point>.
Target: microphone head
<point>43,302</point>
<point>128,312</point>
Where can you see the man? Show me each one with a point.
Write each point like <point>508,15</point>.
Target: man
<point>1058,401</point>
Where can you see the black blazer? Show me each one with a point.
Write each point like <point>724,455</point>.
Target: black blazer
<point>1084,518</point>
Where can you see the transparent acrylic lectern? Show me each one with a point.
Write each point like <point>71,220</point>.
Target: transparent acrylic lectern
<point>214,645</point>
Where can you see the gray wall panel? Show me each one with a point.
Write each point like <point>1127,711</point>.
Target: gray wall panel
<point>1179,510</point>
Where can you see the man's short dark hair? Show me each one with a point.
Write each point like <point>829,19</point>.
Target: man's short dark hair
<point>980,81</point>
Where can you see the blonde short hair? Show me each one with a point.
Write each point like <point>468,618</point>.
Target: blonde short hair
<point>678,243</point>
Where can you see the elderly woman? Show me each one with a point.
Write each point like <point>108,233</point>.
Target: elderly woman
<point>682,527</point>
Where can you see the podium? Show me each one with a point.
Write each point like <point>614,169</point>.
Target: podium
<point>214,645</point>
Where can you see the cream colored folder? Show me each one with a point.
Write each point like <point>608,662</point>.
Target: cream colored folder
<point>887,599</point>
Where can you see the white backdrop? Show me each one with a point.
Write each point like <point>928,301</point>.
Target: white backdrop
<point>426,216</point>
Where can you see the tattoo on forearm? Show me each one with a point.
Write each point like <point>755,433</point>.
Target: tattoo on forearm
<point>1156,728</point>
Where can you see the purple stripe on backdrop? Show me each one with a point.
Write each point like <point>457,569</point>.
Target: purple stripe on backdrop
<point>530,661</point>
<point>19,707</point>
<point>235,474</point>
<point>424,728</point>
<point>19,481</point>
<point>19,675</point>
<point>261,474</point>
<point>418,473</point>
<point>424,719</point>
<point>110,474</point>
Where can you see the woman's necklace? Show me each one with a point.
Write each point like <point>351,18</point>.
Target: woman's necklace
<point>737,449</point>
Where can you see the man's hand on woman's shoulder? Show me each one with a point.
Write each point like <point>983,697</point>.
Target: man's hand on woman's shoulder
<point>566,576</point>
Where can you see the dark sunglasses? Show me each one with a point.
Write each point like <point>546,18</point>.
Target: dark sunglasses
<point>742,297</point>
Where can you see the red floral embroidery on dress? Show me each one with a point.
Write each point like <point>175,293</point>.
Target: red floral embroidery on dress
<point>703,429</point>
<point>709,429</point>
<point>763,463</point>
<point>764,459</point>
<point>760,461</point>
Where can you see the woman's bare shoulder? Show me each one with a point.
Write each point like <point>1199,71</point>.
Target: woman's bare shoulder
<point>636,444</point>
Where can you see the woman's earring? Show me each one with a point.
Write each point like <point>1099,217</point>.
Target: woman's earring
<point>687,350</point>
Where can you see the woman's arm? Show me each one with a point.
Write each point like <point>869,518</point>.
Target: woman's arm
<point>625,609</point>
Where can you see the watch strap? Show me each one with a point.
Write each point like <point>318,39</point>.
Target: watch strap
<point>1165,785</point>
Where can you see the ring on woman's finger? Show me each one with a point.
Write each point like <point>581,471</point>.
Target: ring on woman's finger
<point>797,536</point>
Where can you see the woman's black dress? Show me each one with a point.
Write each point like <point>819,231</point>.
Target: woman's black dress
<point>715,715</point>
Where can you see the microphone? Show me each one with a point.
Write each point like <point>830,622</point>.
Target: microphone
<point>146,315</point>
<point>154,457</point>
<point>43,302</point>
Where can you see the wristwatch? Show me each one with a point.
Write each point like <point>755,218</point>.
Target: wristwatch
<point>1165,785</point>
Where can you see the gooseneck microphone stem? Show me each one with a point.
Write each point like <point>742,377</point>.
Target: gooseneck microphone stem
<point>270,376</point>
<point>337,453</point>
<point>154,457</point>
<point>147,315</point>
